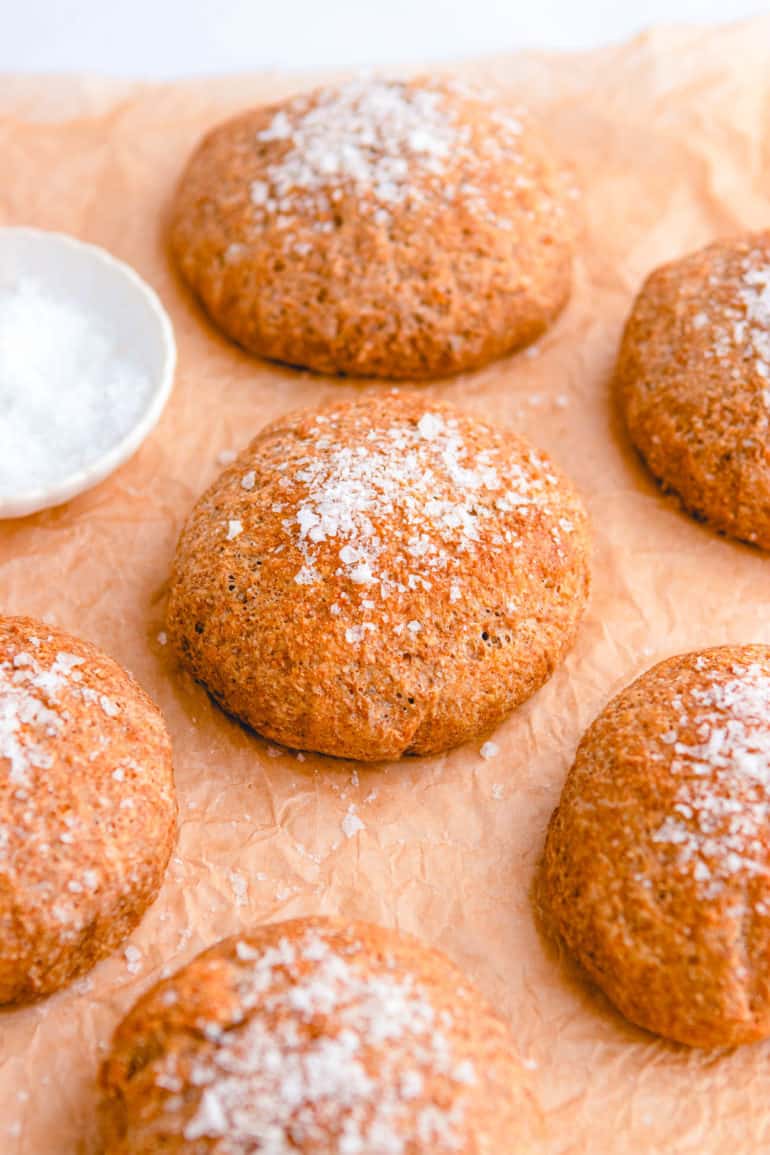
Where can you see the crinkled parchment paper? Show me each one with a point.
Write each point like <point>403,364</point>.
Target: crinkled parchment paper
<point>670,139</point>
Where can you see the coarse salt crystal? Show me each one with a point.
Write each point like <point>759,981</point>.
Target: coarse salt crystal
<point>489,750</point>
<point>383,141</point>
<point>133,958</point>
<point>722,805</point>
<point>429,425</point>
<point>240,887</point>
<point>351,823</point>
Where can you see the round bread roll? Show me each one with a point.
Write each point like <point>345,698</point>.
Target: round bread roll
<point>393,228</point>
<point>657,861</point>
<point>87,807</point>
<point>315,1036</point>
<point>378,578</point>
<point>693,378</point>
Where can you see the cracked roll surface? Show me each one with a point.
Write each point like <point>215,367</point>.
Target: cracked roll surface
<point>657,861</point>
<point>693,381</point>
<point>87,807</point>
<point>312,1036</point>
<point>379,577</point>
<point>403,229</point>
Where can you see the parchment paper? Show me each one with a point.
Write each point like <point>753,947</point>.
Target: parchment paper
<point>670,139</point>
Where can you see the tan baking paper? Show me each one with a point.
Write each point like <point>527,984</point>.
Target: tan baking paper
<point>670,138</point>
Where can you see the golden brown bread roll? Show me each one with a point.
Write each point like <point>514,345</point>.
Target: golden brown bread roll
<point>657,861</point>
<point>310,1037</point>
<point>87,806</point>
<point>693,380</point>
<point>380,577</point>
<point>401,229</point>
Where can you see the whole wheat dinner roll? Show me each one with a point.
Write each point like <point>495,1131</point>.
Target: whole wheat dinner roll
<point>393,228</point>
<point>380,577</point>
<point>87,806</point>
<point>657,861</point>
<point>693,378</point>
<point>310,1037</point>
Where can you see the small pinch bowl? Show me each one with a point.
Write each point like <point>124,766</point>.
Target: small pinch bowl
<point>123,304</point>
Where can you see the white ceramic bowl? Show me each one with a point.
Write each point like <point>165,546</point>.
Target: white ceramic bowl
<point>123,304</point>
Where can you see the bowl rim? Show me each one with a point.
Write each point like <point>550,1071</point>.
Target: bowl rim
<point>34,501</point>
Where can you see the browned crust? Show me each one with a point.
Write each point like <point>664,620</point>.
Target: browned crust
<point>674,958</point>
<point>700,421</point>
<point>84,850</point>
<point>435,290</point>
<point>171,1028</point>
<point>274,654</point>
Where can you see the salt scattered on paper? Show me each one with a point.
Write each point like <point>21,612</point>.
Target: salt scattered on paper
<point>240,887</point>
<point>351,823</point>
<point>68,392</point>
<point>133,958</point>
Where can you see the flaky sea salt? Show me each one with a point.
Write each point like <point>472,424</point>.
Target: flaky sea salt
<point>385,143</point>
<point>29,714</point>
<point>741,325</point>
<point>368,133</point>
<point>240,887</point>
<point>351,823</point>
<point>439,497</point>
<point>133,958</point>
<point>68,391</point>
<point>281,1081</point>
<point>722,804</point>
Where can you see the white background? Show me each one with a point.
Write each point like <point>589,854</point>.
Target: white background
<point>178,37</point>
